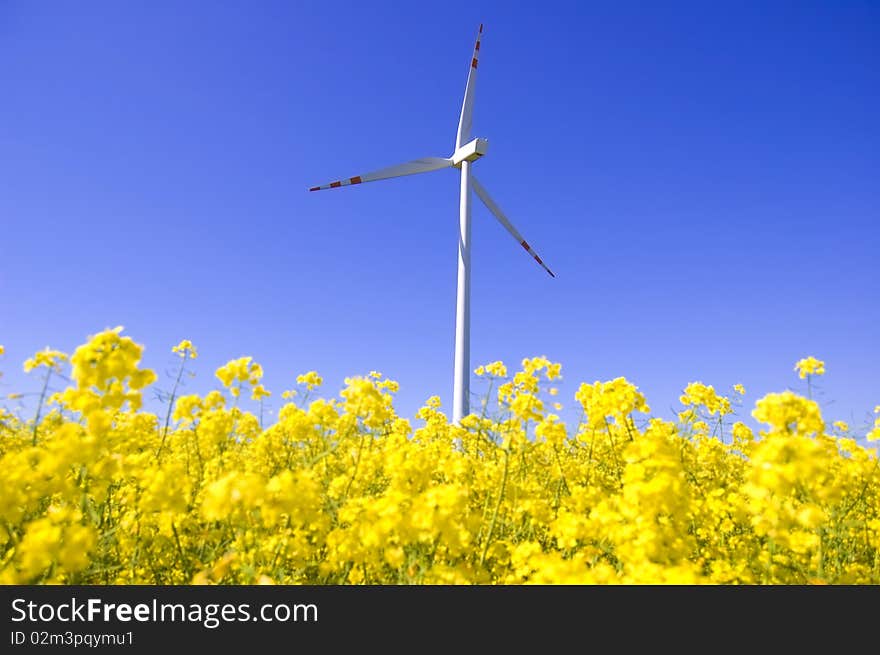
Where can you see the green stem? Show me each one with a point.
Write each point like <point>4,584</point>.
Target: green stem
<point>497,506</point>
<point>171,406</point>
<point>614,453</point>
<point>40,405</point>
<point>184,562</point>
<point>357,463</point>
<point>488,397</point>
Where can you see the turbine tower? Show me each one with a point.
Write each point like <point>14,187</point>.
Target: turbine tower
<point>466,152</point>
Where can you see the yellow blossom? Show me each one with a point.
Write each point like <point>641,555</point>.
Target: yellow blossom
<point>697,393</point>
<point>185,349</point>
<point>47,358</point>
<point>310,379</point>
<point>96,490</point>
<point>809,366</point>
<point>616,399</point>
<point>259,392</point>
<point>496,369</point>
<point>789,412</point>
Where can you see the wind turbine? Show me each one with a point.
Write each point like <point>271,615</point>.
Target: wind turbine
<point>466,152</point>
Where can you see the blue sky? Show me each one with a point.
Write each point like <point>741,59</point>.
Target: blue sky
<point>702,177</point>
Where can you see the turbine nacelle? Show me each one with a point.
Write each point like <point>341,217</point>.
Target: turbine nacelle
<point>470,152</point>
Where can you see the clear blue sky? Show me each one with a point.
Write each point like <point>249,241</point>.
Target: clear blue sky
<point>704,178</point>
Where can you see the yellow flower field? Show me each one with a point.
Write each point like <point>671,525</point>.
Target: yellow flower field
<point>96,490</point>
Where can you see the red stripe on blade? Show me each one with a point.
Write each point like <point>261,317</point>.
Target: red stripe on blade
<point>524,245</point>
<point>477,47</point>
<point>333,185</point>
<point>474,63</point>
<point>356,179</point>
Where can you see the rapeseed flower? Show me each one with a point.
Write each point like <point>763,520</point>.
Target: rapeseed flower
<point>344,491</point>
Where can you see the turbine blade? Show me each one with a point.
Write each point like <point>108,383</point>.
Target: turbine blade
<point>467,106</point>
<point>495,209</point>
<point>423,165</point>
